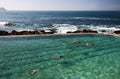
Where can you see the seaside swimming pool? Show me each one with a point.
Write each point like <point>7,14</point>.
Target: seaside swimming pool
<point>20,55</point>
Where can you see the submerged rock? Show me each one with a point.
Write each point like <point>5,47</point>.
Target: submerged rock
<point>3,32</point>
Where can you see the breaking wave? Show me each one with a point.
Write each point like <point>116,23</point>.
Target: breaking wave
<point>93,18</point>
<point>101,28</point>
<point>3,23</point>
<point>59,28</point>
<point>64,28</point>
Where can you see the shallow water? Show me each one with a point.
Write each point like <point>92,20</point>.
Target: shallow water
<point>20,55</point>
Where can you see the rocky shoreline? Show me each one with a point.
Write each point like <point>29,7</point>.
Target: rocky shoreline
<point>43,32</point>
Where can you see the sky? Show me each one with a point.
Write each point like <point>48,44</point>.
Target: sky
<point>81,5</point>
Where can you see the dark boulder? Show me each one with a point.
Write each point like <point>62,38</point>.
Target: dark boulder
<point>69,32</point>
<point>14,32</point>
<point>41,32</point>
<point>26,32</point>
<point>92,31</point>
<point>3,32</point>
<point>84,31</point>
<point>51,32</point>
<point>8,24</point>
<point>78,31</point>
<point>34,32</point>
<point>89,31</point>
<point>117,32</point>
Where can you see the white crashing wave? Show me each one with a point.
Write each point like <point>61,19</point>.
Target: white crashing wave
<point>104,28</point>
<point>3,23</point>
<point>93,18</point>
<point>64,28</point>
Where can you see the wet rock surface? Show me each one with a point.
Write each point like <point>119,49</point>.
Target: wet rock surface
<point>14,32</point>
<point>117,32</point>
<point>84,31</point>
<point>3,32</point>
<point>49,31</point>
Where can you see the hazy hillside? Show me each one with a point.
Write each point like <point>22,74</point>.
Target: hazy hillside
<point>2,9</point>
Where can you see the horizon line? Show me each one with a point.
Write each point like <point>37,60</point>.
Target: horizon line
<point>62,10</point>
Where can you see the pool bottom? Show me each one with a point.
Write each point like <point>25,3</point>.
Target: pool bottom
<point>19,56</point>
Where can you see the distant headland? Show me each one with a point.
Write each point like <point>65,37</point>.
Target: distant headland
<point>2,9</point>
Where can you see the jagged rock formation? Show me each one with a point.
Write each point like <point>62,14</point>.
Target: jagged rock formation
<point>84,31</point>
<point>3,32</point>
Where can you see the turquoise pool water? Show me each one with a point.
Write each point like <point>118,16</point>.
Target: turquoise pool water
<point>20,55</point>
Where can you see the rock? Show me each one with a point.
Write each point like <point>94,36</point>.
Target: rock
<point>84,31</point>
<point>3,32</point>
<point>89,31</point>
<point>26,32</point>
<point>49,32</point>
<point>8,24</point>
<point>35,32</point>
<point>92,31</point>
<point>69,32</point>
<point>14,32</point>
<point>46,31</point>
<point>117,32</point>
<point>78,31</point>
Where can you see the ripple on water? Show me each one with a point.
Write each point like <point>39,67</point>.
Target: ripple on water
<point>19,56</point>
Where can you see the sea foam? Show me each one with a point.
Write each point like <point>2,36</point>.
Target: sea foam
<point>3,23</point>
<point>58,28</point>
<point>64,28</point>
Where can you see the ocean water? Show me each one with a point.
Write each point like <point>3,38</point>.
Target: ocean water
<point>62,21</point>
<point>20,55</point>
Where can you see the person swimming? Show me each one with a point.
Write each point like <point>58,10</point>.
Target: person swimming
<point>34,71</point>
<point>57,57</point>
<point>88,44</point>
<point>76,42</point>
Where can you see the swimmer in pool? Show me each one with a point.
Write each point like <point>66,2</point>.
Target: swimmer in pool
<point>76,42</point>
<point>88,44</point>
<point>57,57</point>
